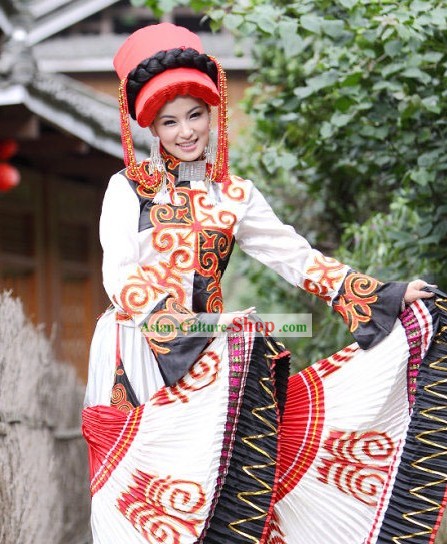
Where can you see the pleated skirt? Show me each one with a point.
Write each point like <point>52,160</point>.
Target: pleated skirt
<point>352,450</point>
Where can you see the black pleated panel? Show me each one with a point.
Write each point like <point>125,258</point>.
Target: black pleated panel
<point>415,506</point>
<point>246,496</point>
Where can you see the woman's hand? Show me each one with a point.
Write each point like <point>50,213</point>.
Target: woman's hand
<point>414,291</point>
<point>227,318</point>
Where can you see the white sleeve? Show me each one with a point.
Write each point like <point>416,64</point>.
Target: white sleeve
<point>263,236</point>
<point>125,281</point>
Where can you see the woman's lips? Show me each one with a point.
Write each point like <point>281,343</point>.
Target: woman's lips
<point>188,145</point>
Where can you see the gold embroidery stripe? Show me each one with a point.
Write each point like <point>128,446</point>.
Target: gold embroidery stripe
<point>246,496</point>
<point>428,437</point>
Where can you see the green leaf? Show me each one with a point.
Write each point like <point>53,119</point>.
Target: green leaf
<point>387,33</point>
<point>429,159</point>
<point>431,103</point>
<point>352,80</point>
<point>341,119</point>
<point>312,23</point>
<point>348,4</point>
<point>266,24</point>
<point>400,236</point>
<point>326,130</point>
<point>417,73</point>
<point>393,48</point>
<point>433,239</point>
<point>433,56</point>
<point>420,5</point>
<point>327,79</point>
<point>404,32</point>
<point>422,176</point>
<point>333,28</point>
<point>303,92</point>
<point>167,5</point>
<point>392,68</point>
<point>439,17</point>
<point>216,14</point>
<point>377,133</point>
<point>232,21</point>
<point>291,41</point>
<point>288,160</point>
<point>248,28</point>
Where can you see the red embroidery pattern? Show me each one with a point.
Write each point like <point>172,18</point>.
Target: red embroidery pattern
<point>203,373</point>
<point>358,464</point>
<point>325,367</point>
<point>171,162</point>
<point>165,325</point>
<point>198,237</point>
<point>143,171</point>
<point>355,303</point>
<point>119,397</point>
<point>275,534</point>
<point>324,276</point>
<point>235,188</point>
<point>139,291</point>
<point>163,509</point>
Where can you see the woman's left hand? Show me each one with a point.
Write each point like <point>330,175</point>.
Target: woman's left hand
<point>414,291</point>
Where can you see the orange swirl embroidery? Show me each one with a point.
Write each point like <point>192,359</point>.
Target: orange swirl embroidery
<point>234,188</point>
<point>138,292</point>
<point>165,325</point>
<point>195,236</point>
<point>324,276</point>
<point>359,463</point>
<point>355,303</point>
<point>198,237</point>
<point>119,398</point>
<point>163,509</point>
<point>203,373</point>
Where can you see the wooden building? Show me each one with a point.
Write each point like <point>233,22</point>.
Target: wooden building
<point>58,102</point>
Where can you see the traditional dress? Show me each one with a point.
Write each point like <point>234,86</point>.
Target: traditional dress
<point>199,438</point>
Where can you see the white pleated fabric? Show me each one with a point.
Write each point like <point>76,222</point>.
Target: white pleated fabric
<point>353,441</point>
<point>172,461</point>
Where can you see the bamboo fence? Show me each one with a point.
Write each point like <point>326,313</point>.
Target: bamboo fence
<point>44,497</point>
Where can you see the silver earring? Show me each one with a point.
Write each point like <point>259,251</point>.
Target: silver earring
<point>156,160</point>
<point>211,148</point>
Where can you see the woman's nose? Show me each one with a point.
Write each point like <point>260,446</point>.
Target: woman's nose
<point>186,130</point>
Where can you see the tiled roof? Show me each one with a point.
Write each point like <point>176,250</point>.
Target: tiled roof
<point>79,110</point>
<point>95,52</point>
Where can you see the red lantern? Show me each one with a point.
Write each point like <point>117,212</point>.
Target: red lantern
<point>9,177</point>
<point>8,148</point>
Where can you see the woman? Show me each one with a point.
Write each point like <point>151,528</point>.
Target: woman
<point>197,436</point>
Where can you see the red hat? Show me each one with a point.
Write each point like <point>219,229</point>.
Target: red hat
<point>144,43</point>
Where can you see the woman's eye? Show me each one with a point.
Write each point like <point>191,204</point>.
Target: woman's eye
<point>168,123</point>
<point>196,115</point>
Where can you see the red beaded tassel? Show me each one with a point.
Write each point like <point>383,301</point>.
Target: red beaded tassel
<point>147,175</point>
<point>220,170</point>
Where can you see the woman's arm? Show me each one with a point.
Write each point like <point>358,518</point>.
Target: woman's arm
<point>129,285</point>
<point>368,306</point>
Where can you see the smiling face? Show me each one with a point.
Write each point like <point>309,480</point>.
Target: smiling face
<point>183,126</point>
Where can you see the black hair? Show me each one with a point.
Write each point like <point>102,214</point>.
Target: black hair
<point>162,61</point>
